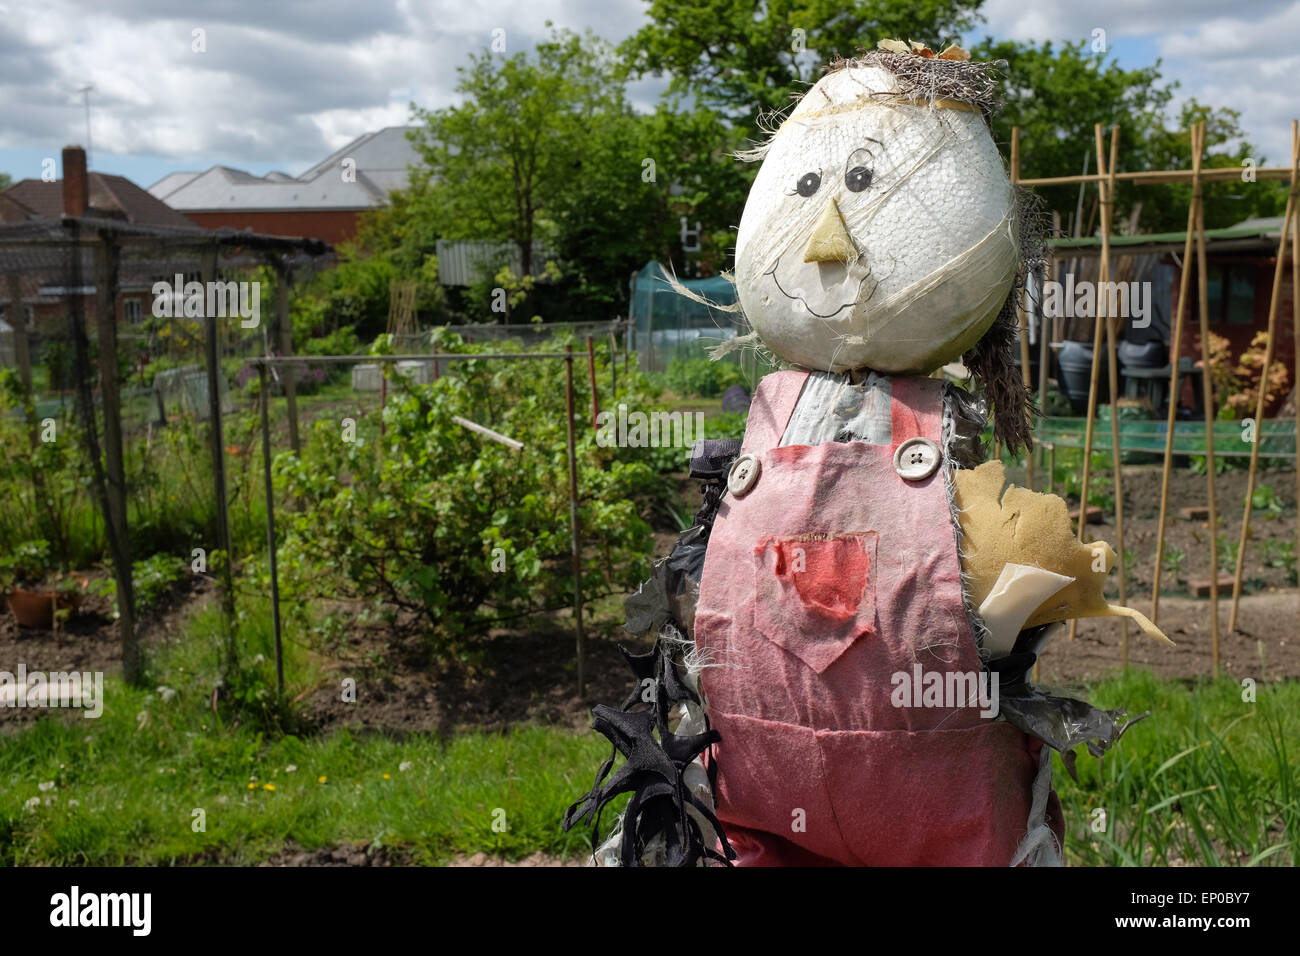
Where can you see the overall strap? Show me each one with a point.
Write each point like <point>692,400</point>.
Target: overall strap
<point>770,412</point>
<point>916,409</point>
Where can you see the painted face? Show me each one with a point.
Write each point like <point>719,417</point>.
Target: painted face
<point>879,233</point>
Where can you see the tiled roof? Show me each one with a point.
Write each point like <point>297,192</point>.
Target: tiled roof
<point>111,196</point>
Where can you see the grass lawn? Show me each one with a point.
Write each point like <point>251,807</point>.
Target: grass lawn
<point>1207,779</point>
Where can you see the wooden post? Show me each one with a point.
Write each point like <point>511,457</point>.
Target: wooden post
<point>1015,155</point>
<point>573,524</point>
<point>1207,383</point>
<point>1175,351</point>
<point>264,392</point>
<point>226,586</point>
<point>1273,308</point>
<point>107,258</point>
<point>284,329</point>
<point>1107,221</point>
<point>84,379</point>
<point>591,376</point>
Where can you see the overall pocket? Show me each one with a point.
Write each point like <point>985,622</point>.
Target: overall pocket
<point>815,594</point>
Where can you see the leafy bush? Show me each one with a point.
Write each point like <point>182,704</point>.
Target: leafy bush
<point>437,527</point>
<point>701,377</point>
<point>342,341</point>
<point>151,579</point>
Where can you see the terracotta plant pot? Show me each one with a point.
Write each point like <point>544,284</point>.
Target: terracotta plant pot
<point>35,609</point>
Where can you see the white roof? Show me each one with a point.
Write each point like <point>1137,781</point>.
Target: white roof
<point>381,157</point>
<point>170,183</point>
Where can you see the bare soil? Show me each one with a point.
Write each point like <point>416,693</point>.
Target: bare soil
<point>88,640</point>
<point>1266,644</point>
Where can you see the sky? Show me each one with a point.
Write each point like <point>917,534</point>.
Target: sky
<point>280,84</point>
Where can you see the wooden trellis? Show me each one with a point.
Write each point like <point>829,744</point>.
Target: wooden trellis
<point>1106,178</point>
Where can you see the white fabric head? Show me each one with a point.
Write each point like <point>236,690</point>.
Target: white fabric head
<point>880,231</point>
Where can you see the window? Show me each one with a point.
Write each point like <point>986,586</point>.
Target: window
<point>131,310</point>
<point>1230,290</point>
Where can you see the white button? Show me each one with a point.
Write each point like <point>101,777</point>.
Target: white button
<point>744,472</point>
<point>916,459</point>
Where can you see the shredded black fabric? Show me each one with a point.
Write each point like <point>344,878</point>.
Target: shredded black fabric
<point>1062,723</point>
<point>673,589</point>
<point>655,762</point>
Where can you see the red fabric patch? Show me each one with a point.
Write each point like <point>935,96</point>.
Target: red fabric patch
<point>829,575</point>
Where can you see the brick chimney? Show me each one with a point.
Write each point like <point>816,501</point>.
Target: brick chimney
<point>76,190</point>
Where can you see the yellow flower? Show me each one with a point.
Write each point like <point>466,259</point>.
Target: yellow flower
<point>268,786</point>
<point>252,786</point>
<point>320,779</point>
<point>387,777</point>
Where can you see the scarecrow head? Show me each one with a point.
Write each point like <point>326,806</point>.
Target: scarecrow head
<point>882,231</point>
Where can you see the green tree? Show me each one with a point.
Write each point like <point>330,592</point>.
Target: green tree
<point>1056,95</point>
<point>747,58</point>
<point>641,175</point>
<point>5,180</point>
<point>496,163</point>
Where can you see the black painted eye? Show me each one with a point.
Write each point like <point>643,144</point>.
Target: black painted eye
<point>808,184</point>
<point>857,179</point>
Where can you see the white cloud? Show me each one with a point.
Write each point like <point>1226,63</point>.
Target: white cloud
<point>1245,61</point>
<point>285,82</point>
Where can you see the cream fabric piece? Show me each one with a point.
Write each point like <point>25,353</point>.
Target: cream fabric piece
<point>1016,594</point>
<point>830,405</point>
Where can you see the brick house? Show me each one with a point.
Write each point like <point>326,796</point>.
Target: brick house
<point>42,291</point>
<point>325,202</point>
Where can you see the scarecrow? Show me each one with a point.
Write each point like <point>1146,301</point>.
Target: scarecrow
<point>844,636</point>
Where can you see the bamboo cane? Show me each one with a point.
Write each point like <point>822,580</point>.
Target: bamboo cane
<point>1207,384</point>
<point>1295,328</point>
<point>1096,367</point>
<point>1273,308</point>
<point>1112,365</point>
<point>1175,350</point>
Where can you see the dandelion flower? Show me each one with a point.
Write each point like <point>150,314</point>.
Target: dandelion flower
<point>252,786</point>
<point>405,765</point>
<point>47,785</point>
<point>268,786</point>
<point>321,779</point>
<point>291,768</point>
<point>387,777</point>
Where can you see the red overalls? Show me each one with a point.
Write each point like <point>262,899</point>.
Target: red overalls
<point>828,576</point>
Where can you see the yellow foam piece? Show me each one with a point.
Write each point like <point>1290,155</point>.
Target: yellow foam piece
<point>829,241</point>
<point>1020,526</point>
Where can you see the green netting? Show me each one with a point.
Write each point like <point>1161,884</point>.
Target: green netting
<point>670,325</point>
<point>1276,436</point>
